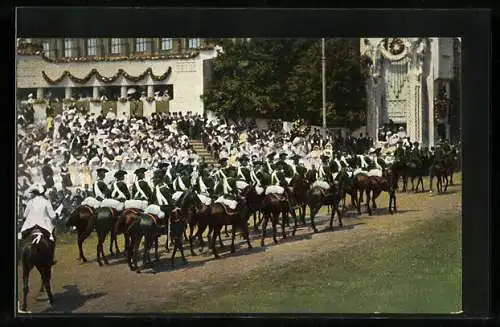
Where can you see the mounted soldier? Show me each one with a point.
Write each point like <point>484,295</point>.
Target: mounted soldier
<point>222,190</point>
<point>243,178</point>
<point>399,153</point>
<point>39,213</point>
<point>286,170</point>
<point>141,189</point>
<point>100,187</point>
<point>162,193</point>
<point>378,160</point>
<point>120,190</point>
<point>201,188</point>
<point>415,155</point>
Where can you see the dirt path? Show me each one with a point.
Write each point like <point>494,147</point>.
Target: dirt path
<point>114,288</point>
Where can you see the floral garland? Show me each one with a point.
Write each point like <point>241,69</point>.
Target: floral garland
<point>105,79</point>
<point>121,58</point>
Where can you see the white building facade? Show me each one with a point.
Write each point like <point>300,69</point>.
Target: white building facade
<point>414,82</point>
<point>182,73</point>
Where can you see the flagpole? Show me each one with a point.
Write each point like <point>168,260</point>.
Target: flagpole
<point>323,64</point>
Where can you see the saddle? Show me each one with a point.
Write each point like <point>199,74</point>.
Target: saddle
<point>89,208</point>
<point>279,197</point>
<point>227,210</point>
<point>148,218</point>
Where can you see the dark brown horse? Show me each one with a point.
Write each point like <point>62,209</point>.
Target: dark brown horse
<point>374,185</point>
<point>272,206</point>
<point>177,227</point>
<point>299,188</point>
<point>439,169</point>
<point>221,216</point>
<point>127,224</point>
<point>146,227</point>
<point>36,251</point>
<point>317,197</point>
<point>83,218</point>
<point>105,221</point>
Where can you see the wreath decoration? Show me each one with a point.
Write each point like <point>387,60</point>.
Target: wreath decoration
<point>398,49</point>
<point>105,79</point>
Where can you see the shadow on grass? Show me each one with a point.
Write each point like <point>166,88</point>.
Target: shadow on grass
<point>71,299</point>
<point>165,264</point>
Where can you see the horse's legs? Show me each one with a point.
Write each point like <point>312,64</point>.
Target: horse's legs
<point>368,194</point>
<point>314,211</point>
<point>46,273</point>
<point>191,230</point>
<point>157,255</point>
<point>274,222</point>
<point>340,216</point>
<point>332,216</point>
<point>233,235</point>
<point>136,252</point>
<point>283,231</point>
<point>217,230</point>
<point>295,222</point>
<point>129,249</point>
<point>374,196</point>
<point>264,227</point>
<point>81,237</point>
<point>225,231</point>
<point>102,249</point>
<point>360,199</point>
<point>247,235</point>
<point>26,275</point>
<point>174,251</point>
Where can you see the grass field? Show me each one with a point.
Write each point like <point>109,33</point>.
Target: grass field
<point>418,271</point>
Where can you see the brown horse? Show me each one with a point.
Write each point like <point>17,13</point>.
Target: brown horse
<point>299,188</point>
<point>221,216</point>
<point>83,218</point>
<point>146,226</point>
<point>374,185</point>
<point>126,224</point>
<point>105,220</point>
<point>317,197</point>
<point>439,170</point>
<point>37,251</point>
<point>177,228</point>
<point>272,206</point>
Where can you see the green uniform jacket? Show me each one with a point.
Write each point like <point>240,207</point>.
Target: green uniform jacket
<point>104,190</point>
<point>166,192</point>
<point>123,188</point>
<point>136,194</point>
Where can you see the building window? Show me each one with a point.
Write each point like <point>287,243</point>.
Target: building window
<point>193,43</point>
<point>69,48</point>
<point>140,45</point>
<point>116,46</point>
<point>166,44</point>
<point>92,47</point>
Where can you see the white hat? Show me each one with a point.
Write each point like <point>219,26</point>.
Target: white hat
<point>157,92</point>
<point>30,95</point>
<point>371,150</point>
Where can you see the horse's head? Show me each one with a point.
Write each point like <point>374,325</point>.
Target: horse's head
<point>176,215</point>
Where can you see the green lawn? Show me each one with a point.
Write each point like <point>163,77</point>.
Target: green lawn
<point>418,271</point>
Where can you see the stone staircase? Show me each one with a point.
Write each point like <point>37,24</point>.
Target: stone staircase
<point>202,152</point>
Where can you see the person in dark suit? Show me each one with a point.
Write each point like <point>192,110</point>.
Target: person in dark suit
<point>48,174</point>
<point>141,189</point>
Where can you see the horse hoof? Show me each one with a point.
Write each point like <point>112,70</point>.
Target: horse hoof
<point>250,247</point>
<point>138,271</point>
<point>100,264</point>
<point>315,230</point>
<point>233,250</point>
<point>262,244</point>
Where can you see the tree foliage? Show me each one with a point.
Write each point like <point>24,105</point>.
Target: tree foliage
<point>281,78</point>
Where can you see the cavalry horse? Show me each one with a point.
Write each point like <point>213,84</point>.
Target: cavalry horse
<point>146,226</point>
<point>374,185</point>
<point>83,219</point>
<point>272,206</point>
<point>221,215</point>
<point>299,188</point>
<point>126,225</point>
<point>317,197</point>
<point>439,169</point>
<point>36,251</point>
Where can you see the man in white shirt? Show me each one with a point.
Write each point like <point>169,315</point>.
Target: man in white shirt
<point>39,212</point>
